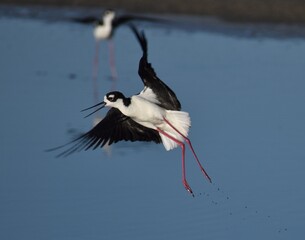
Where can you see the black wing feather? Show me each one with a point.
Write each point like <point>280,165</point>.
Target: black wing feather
<point>165,95</point>
<point>120,20</point>
<point>113,128</point>
<point>86,20</point>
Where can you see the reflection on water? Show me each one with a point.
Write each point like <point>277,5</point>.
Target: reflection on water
<point>245,97</point>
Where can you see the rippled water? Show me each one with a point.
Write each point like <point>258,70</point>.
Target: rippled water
<point>246,99</point>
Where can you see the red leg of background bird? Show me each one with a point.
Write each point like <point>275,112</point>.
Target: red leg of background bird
<point>190,145</point>
<point>95,71</point>
<point>114,74</point>
<point>185,183</point>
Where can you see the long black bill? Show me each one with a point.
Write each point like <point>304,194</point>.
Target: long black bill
<point>101,103</point>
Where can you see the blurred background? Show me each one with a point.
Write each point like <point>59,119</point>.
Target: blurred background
<point>237,66</point>
<point>291,11</point>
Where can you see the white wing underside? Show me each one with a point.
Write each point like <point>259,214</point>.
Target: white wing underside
<point>149,95</point>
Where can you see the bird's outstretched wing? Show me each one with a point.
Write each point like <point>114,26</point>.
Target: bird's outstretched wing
<point>123,19</point>
<point>86,20</point>
<point>119,20</point>
<point>111,129</point>
<point>165,96</point>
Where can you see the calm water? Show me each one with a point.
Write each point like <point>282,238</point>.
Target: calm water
<point>246,99</point>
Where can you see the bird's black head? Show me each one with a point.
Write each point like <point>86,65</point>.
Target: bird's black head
<point>113,97</point>
<point>108,11</point>
<point>109,14</point>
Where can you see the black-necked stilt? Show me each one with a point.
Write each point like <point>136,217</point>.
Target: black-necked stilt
<point>104,30</point>
<point>110,21</point>
<point>152,115</point>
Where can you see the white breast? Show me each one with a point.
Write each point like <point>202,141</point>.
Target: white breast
<point>144,112</point>
<point>102,32</point>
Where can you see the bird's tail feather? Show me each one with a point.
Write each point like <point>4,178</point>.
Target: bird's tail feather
<point>181,122</point>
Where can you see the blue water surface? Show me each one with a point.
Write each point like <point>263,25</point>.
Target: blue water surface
<point>246,99</point>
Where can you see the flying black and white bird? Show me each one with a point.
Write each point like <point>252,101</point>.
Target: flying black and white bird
<point>104,29</point>
<point>153,115</point>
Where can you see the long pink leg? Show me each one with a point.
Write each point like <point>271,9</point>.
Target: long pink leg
<point>95,71</point>
<point>114,74</point>
<point>181,144</point>
<point>190,145</point>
